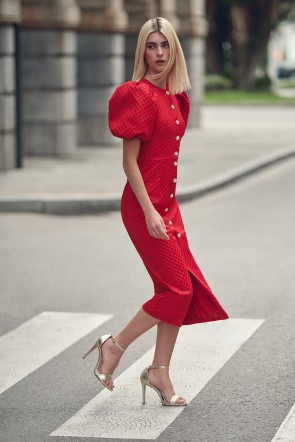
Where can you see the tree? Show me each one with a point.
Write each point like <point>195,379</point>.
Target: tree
<point>241,29</point>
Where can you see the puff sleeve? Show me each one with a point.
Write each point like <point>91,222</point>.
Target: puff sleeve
<point>184,106</point>
<point>132,111</point>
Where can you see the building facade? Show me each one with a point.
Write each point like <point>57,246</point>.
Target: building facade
<point>60,61</point>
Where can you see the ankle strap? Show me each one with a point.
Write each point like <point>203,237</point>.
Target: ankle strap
<point>117,344</point>
<point>158,366</point>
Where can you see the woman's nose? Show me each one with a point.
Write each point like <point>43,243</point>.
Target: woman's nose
<point>160,51</point>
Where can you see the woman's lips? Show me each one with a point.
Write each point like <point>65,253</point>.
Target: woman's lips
<point>160,61</point>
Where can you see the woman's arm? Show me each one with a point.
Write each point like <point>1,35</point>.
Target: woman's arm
<point>154,221</point>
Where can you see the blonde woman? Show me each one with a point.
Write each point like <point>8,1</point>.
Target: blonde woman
<point>150,114</point>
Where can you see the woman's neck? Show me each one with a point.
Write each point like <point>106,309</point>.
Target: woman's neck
<point>162,83</point>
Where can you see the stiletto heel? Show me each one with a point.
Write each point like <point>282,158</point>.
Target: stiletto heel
<point>99,343</point>
<point>143,393</point>
<point>90,351</point>
<point>144,379</point>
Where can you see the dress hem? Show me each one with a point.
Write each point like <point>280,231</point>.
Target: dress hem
<point>188,321</point>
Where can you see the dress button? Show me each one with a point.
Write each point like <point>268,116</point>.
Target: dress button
<point>174,180</point>
<point>176,153</point>
<point>171,195</point>
<point>175,163</point>
<point>167,93</point>
<point>178,235</point>
<point>177,122</point>
<point>170,223</point>
<point>172,106</point>
<point>166,210</point>
<point>177,138</point>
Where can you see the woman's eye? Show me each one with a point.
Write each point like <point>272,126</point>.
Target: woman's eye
<point>151,46</point>
<point>166,45</point>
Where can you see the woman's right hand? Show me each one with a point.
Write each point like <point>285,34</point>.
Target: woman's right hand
<point>155,225</point>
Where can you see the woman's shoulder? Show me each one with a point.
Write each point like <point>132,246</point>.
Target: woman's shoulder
<point>183,96</point>
<point>134,90</point>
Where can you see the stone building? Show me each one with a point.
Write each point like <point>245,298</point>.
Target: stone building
<point>60,61</point>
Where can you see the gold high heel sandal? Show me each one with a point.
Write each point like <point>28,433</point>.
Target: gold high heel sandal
<point>99,343</point>
<point>144,379</point>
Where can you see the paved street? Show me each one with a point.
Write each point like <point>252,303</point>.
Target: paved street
<point>238,375</point>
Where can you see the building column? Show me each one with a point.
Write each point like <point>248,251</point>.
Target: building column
<point>193,27</point>
<point>9,12</point>
<point>49,77</point>
<point>101,67</point>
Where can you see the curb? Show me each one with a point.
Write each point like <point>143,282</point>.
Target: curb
<point>235,175</point>
<point>86,204</point>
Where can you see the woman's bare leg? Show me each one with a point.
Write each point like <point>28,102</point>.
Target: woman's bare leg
<point>166,338</point>
<point>111,354</point>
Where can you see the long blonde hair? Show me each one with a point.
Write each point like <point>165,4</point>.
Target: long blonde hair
<point>175,71</point>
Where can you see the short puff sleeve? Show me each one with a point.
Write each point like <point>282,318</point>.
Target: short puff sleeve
<point>132,111</point>
<point>184,105</point>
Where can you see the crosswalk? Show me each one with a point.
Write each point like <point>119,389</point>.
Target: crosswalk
<point>40,339</point>
<point>286,432</point>
<point>205,348</point>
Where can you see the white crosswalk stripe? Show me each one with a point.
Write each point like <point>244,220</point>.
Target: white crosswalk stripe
<point>201,351</point>
<point>38,340</point>
<point>286,432</point>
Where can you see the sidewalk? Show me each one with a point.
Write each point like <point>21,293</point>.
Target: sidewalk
<point>233,142</point>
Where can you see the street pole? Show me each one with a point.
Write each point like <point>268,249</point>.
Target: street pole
<point>18,96</point>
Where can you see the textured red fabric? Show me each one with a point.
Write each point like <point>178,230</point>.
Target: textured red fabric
<point>159,118</point>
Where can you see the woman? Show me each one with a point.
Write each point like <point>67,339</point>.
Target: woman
<point>150,113</point>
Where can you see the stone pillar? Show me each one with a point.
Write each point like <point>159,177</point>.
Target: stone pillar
<point>193,27</point>
<point>49,77</point>
<point>167,9</point>
<point>9,13</point>
<point>138,12</point>
<point>101,67</point>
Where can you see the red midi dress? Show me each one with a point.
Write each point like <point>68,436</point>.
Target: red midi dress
<point>159,118</point>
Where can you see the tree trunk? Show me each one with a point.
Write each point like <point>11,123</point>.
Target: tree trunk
<point>252,23</point>
<point>246,25</point>
<point>218,22</point>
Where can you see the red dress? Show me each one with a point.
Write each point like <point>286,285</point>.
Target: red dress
<point>159,118</point>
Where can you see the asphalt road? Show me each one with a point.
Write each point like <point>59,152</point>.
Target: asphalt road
<point>242,238</point>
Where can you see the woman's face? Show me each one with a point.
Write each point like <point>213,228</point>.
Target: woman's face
<point>157,53</point>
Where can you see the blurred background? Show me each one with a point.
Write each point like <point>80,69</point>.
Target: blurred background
<point>60,61</point>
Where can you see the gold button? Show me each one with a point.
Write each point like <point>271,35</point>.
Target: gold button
<point>170,223</point>
<point>172,106</point>
<point>175,163</point>
<point>178,235</point>
<point>174,180</point>
<point>177,138</point>
<point>177,122</point>
<point>176,153</point>
<point>166,210</point>
<point>171,195</point>
<point>167,93</point>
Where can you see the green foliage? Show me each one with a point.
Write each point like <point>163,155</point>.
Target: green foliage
<point>245,97</point>
<point>262,83</point>
<point>217,83</point>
